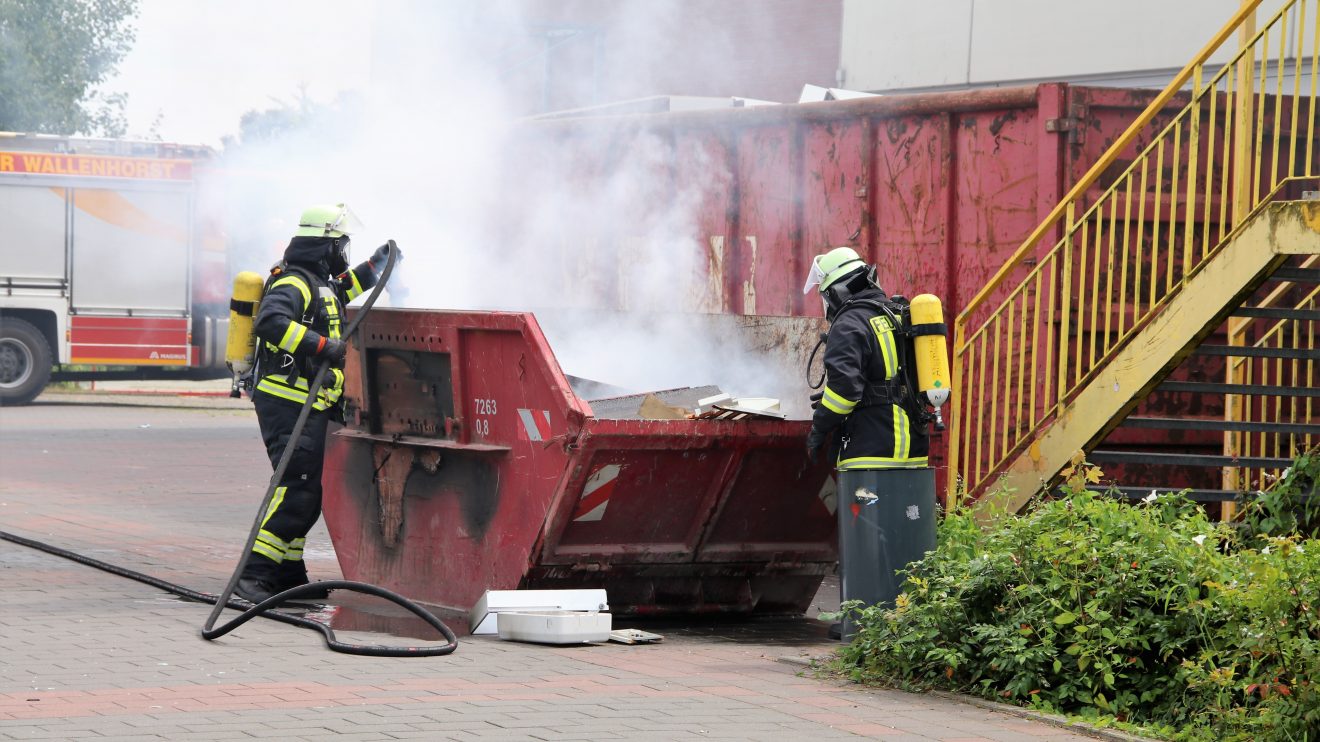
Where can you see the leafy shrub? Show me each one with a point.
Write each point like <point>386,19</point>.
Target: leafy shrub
<point>1291,506</point>
<point>1149,614</point>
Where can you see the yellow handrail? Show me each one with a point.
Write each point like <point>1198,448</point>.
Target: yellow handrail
<point>1111,154</point>
<point>1124,254</point>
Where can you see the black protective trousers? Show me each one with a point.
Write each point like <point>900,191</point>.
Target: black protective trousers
<point>277,553</point>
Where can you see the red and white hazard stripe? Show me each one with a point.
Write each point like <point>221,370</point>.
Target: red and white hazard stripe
<point>535,424</point>
<point>596,494</point>
<point>829,494</point>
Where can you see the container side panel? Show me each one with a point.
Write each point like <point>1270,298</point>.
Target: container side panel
<point>914,158</point>
<point>767,215</point>
<point>644,505</point>
<point>469,420</point>
<point>434,528</point>
<point>996,190</point>
<point>835,193</point>
<point>704,177</point>
<point>793,526</point>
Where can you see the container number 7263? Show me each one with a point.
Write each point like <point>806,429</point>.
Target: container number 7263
<point>482,406</point>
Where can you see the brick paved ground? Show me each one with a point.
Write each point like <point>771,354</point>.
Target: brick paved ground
<point>167,487</point>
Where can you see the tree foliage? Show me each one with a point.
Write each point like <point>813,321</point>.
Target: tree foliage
<point>298,121</point>
<point>53,55</point>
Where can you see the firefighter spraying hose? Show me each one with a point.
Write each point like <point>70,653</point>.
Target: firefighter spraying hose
<point>263,607</point>
<point>241,351</point>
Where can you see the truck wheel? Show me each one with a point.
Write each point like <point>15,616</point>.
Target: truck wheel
<point>25,361</point>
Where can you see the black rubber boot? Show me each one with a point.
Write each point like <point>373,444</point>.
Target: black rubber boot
<point>258,580</point>
<point>294,574</point>
<point>254,589</point>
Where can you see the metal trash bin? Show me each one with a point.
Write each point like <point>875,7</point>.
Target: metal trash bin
<point>886,520</point>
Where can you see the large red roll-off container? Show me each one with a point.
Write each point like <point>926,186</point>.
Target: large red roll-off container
<point>469,463</point>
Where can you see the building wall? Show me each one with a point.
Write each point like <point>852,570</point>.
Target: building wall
<point>891,45</point>
<point>576,53</point>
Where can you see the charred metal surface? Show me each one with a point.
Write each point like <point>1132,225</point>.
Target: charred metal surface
<point>474,480</point>
<point>403,471</point>
<point>391,464</point>
<point>411,392</point>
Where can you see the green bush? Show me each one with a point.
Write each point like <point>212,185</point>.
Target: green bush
<point>1290,507</point>
<point>1151,614</point>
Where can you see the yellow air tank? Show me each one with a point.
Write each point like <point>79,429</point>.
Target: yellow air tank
<point>932,352</point>
<point>241,348</point>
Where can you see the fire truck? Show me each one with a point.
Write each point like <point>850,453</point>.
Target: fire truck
<point>107,268</point>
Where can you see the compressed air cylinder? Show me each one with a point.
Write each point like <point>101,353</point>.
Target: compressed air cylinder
<point>240,349</point>
<point>931,350</point>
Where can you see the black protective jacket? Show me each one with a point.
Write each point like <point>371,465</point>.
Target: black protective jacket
<point>301,304</point>
<point>865,400</point>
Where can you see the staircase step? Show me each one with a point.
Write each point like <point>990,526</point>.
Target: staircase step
<point>1186,459</point>
<point>1277,313</point>
<point>1201,423</point>
<point>1301,275</point>
<point>1140,493</point>
<point>1302,354</point>
<point>1199,495</point>
<point>1263,390</point>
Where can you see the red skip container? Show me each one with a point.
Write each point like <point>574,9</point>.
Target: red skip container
<point>468,463</point>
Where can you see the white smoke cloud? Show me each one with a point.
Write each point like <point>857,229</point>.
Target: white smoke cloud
<point>493,211</point>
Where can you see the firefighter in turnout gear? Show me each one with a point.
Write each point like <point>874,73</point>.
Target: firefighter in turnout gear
<point>298,327</point>
<point>867,405</point>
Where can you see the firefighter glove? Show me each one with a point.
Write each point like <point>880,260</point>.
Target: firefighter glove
<point>378,258</point>
<point>332,349</point>
<point>815,441</point>
<point>815,399</point>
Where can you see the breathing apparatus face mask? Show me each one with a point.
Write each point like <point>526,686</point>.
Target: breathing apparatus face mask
<point>338,261</point>
<point>842,291</point>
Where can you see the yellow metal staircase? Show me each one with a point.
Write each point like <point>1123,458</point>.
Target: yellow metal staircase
<point>1189,213</point>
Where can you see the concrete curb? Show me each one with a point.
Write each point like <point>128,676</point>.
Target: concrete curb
<point>1062,722</point>
<point>1080,727</point>
<point>145,399</point>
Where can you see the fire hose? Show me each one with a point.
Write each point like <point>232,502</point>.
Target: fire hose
<point>209,632</point>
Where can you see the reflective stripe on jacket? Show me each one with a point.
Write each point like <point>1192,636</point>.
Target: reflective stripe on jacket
<point>296,312</point>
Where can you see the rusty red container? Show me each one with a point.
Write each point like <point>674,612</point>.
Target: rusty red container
<point>937,190</point>
<point>468,463</point>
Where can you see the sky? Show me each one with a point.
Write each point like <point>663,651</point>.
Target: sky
<point>200,65</point>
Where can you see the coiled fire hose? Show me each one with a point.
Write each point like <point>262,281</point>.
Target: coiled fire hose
<point>264,608</point>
